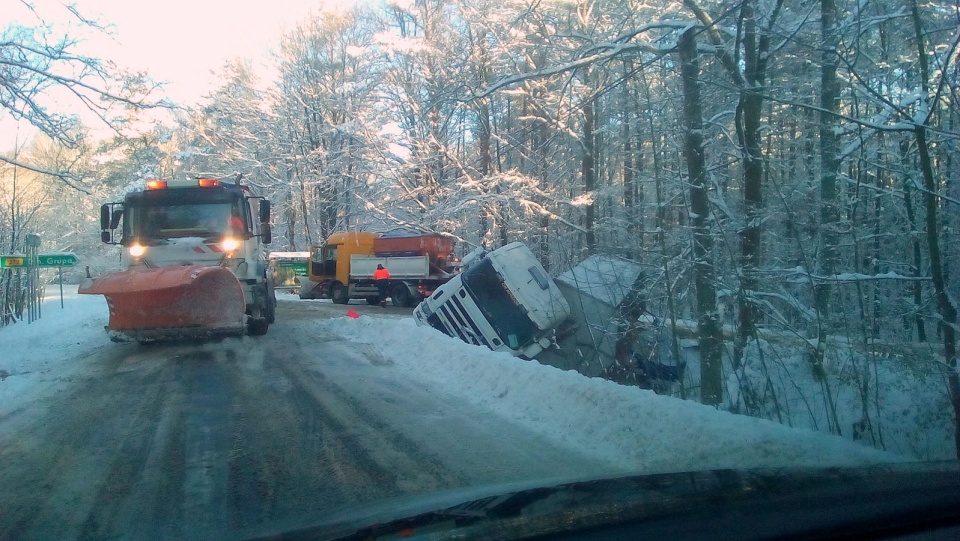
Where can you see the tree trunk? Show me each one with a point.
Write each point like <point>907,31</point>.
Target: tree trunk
<point>749,111</point>
<point>917,265</point>
<point>829,162</point>
<point>485,161</point>
<point>632,163</point>
<point>629,189</point>
<point>948,312</point>
<point>588,172</point>
<point>628,313</point>
<point>539,135</point>
<point>708,320</point>
<point>303,212</point>
<point>291,219</point>
<point>540,141</point>
<point>750,80</point>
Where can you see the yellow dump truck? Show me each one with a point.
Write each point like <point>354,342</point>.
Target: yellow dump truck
<point>342,268</point>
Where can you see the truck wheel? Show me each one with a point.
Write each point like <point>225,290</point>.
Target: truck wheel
<point>257,324</point>
<point>401,296</point>
<point>339,294</point>
<point>271,310</point>
<point>373,300</point>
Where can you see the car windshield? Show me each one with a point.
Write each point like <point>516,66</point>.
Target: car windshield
<point>507,316</point>
<point>182,220</point>
<point>325,263</point>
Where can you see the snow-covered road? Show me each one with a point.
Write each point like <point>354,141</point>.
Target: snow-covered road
<point>324,413</point>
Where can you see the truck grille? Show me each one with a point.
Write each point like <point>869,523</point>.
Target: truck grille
<point>458,323</point>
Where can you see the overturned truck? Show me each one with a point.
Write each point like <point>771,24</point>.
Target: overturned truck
<point>592,319</point>
<point>503,300</point>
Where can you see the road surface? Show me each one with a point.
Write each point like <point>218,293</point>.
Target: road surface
<point>245,437</point>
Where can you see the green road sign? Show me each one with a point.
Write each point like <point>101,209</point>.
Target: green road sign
<point>298,268</point>
<point>12,261</point>
<point>63,259</point>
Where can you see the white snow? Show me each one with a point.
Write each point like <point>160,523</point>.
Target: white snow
<point>39,357</point>
<point>633,429</point>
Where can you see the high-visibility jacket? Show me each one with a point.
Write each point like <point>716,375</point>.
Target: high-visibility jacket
<point>381,274</point>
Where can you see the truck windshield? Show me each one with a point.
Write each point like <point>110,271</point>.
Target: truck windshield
<point>184,220</point>
<point>498,306</point>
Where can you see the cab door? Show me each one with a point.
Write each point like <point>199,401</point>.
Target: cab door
<point>323,263</point>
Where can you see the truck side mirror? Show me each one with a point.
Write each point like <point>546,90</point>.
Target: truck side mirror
<point>104,217</point>
<point>117,214</point>
<point>109,220</point>
<point>264,211</point>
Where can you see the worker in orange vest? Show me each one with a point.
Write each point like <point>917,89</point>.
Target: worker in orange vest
<point>382,278</point>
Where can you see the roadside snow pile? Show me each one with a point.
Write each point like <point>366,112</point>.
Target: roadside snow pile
<point>891,396</point>
<point>34,354</point>
<point>626,426</point>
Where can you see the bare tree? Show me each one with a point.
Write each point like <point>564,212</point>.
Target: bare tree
<point>34,65</point>
<point>708,320</point>
<point>945,305</point>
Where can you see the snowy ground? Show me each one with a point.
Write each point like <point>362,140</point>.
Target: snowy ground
<point>38,358</point>
<point>629,428</point>
<point>632,428</point>
<point>887,396</point>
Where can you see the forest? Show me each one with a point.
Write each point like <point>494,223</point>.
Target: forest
<point>785,171</point>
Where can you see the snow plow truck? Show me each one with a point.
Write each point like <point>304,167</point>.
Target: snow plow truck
<point>193,260</point>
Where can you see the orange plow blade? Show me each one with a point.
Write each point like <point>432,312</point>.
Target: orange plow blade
<point>171,302</point>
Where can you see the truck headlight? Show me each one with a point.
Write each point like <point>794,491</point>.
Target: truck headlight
<point>229,244</point>
<point>137,250</point>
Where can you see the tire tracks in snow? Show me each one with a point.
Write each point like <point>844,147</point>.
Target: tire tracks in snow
<point>307,448</point>
<point>239,438</point>
<point>77,453</point>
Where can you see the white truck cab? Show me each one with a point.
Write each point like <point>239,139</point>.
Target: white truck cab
<point>503,300</point>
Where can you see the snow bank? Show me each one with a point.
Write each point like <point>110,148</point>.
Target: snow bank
<point>33,355</point>
<point>631,428</point>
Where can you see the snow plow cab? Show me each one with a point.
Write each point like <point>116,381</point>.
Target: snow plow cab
<point>193,261</point>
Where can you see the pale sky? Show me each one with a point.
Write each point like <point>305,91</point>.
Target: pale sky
<point>177,41</point>
<point>181,41</point>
